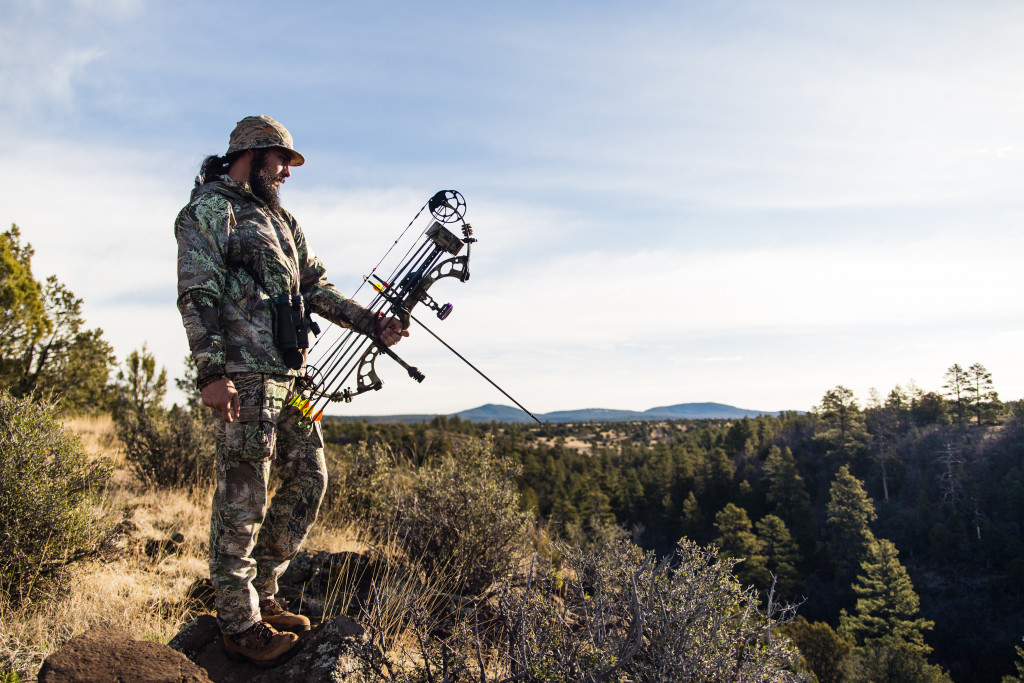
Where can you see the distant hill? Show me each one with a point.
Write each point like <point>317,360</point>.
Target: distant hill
<point>498,413</point>
<point>699,411</point>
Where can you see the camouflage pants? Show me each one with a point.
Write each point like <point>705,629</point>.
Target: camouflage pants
<point>251,542</point>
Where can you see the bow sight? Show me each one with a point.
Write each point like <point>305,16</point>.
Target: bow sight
<point>438,256</point>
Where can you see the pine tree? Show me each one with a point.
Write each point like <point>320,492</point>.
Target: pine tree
<point>887,605</point>
<point>979,391</point>
<point>691,515</point>
<point>781,554</point>
<point>886,422</point>
<point>787,495</point>
<point>22,306</point>
<point>956,389</point>
<point>843,420</point>
<point>821,649</point>
<point>849,514</point>
<point>44,349</point>
<point>736,538</point>
<point>1019,665</point>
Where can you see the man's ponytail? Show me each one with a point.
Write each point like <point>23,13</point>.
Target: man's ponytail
<point>215,166</point>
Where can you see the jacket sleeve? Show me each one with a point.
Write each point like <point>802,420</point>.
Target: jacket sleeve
<point>202,230</point>
<point>323,297</point>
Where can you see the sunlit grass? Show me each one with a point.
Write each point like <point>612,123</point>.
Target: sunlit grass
<point>126,588</point>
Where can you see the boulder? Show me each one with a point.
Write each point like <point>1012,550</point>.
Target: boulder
<point>102,654</point>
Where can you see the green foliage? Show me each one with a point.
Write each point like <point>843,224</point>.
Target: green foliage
<point>48,490</point>
<point>842,420</point>
<point>169,448</point>
<point>781,556</point>
<point>957,382</point>
<point>849,513</point>
<point>664,480</point>
<point>614,614</point>
<point>821,649</point>
<point>980,394</point>
<point>887,605</point>
<point>593,532</point>
<point>44,349</point>
<point>139,386</point>
<point>786,493</point>
<point>886,661</point>
<point>692,517</point>
<point>357,477</point>
<point>22,310</point>
<point>457,515</point>
<point>737,540</point>
<point>623,615</point>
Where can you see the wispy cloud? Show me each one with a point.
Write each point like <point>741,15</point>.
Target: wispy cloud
<point>46,47</point>
<point>33,76</point>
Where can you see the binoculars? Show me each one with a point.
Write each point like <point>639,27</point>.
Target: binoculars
<point>292,327</point>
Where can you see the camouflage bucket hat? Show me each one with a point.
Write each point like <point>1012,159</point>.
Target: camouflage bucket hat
<point>257,132</point>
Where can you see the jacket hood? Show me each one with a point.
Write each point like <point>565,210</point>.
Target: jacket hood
<point>224,185</point>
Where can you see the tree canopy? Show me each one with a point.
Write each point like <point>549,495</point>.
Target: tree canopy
<point>45,348</point>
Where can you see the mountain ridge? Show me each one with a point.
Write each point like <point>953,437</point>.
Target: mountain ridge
<point>493,412</point>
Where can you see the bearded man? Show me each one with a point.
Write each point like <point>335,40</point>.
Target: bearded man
<point>247,280</point>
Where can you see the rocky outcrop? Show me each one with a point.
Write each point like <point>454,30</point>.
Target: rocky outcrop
<point>102,654</point>
<point>326,654</point>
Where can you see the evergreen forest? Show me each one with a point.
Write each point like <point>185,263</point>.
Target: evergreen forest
<point>859,514</point>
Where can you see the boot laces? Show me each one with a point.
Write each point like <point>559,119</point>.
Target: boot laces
<point>271,606</point>
<point>259,635</point>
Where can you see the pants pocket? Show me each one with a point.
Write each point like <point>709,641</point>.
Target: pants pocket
<point>249,441</point>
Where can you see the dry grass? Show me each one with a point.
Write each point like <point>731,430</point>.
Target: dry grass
<point>97,434</point>
<point>125,588</point>
<point>135,587</point>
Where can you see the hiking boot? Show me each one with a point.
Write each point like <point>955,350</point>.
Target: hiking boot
<point>272,613</point>
<point>260,644</point>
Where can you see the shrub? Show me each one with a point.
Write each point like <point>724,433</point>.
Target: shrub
<point>168,448</point>
<point>356,475</point>
<point>626,616</point>
<point>461,516</point>
<point>621,615</point>
<point>48,487</point>
<point>822,649</point>
<point>457,515</point>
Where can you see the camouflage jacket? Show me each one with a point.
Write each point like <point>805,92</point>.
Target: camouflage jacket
<point>235,255</point>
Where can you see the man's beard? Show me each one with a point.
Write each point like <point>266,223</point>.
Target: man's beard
<point>263,183</point>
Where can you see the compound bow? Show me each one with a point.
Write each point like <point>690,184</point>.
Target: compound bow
<point>438,256</point>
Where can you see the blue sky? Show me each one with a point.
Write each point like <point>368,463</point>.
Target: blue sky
<point>742,202</point>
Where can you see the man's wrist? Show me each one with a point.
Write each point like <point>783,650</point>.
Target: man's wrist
<point>210,376</point>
